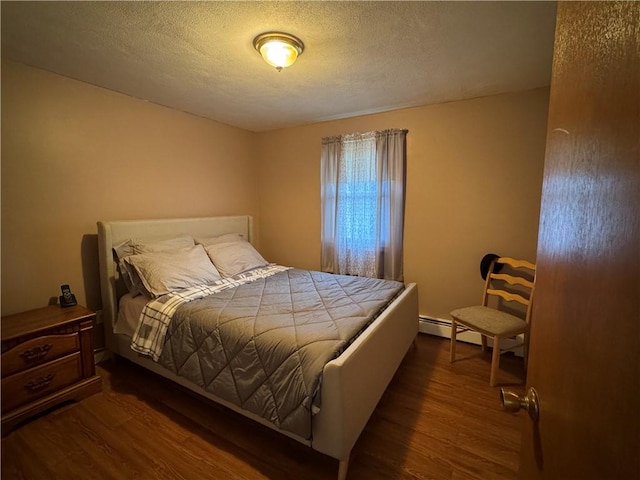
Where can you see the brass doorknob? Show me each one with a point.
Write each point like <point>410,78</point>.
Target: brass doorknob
<point>512,402</point>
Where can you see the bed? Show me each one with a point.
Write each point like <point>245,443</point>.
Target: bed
<point>351,384</point>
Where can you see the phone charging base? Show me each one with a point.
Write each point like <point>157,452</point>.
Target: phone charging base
<point>68,300</point>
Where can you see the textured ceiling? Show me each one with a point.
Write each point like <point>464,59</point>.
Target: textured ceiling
<point>360,57</point>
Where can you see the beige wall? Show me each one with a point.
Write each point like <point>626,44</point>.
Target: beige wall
<point>474,180</point>
<point>73,154</point>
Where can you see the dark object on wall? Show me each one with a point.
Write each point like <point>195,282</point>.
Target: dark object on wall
<point>67,299</point>
<point>485,263</point>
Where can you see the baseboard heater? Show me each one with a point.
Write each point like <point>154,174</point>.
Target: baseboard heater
<point>442,328</point>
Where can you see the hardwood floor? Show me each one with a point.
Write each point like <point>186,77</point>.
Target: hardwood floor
<point>436,421</point>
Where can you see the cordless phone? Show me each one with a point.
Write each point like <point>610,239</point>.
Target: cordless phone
<point>67,299</point>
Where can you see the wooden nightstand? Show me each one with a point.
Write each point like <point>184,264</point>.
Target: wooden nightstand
<point>47,358</point>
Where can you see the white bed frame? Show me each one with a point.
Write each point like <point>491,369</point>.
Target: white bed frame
<point>352,384</point>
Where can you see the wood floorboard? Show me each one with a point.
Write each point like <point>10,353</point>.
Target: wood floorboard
<point>436,421</point>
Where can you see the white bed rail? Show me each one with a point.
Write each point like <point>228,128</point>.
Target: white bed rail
<point>353,383</point>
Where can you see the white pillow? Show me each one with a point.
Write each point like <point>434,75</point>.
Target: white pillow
<point>167,271</point>
<point>136,246</point>
<point>231,258</point>
<point>227,237</point>
<point>120,252</point>
<point>148,246</point>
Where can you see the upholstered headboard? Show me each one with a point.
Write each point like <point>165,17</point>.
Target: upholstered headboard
<point>116,232</point>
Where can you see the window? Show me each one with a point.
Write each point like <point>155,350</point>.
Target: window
<point>363,178</point>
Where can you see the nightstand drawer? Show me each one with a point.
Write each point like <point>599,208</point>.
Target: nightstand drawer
<point>37,382</point>
<point>37,351</point>
<point>47,359</point>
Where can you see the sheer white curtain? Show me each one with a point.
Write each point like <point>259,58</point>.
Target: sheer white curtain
<point>363,181</point>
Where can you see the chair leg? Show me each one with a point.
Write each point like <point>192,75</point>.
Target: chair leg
<point>495,361</point>
<point>483,339</point>
<point>454,331</point>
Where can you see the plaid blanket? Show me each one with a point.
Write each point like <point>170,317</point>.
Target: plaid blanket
<point>149,336</point>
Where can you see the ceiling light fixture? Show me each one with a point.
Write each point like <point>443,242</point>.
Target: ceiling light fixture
<point>278,49</point>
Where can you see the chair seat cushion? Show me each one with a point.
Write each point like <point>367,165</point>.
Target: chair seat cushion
<point>489,320</point>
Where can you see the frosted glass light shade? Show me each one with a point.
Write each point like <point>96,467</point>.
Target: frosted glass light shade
<point>278,49</point>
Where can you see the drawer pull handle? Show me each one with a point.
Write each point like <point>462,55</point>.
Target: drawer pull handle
<point>39,383</point>
<point>36,353</point>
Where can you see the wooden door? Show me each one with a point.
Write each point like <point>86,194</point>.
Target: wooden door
<point>585,338</point>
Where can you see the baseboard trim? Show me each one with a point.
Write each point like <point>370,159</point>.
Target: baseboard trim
<point>100,354</point>
<point>442,328</point>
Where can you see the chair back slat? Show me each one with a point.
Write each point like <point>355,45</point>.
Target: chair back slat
<point>516,263</point>
<point>521,277</point>
<point>511,280</point>
<point>510,297</point>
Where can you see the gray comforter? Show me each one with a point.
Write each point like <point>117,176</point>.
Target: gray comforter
<point>263,345</point>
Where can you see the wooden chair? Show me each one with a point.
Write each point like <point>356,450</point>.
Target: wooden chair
<point>515,285</point>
